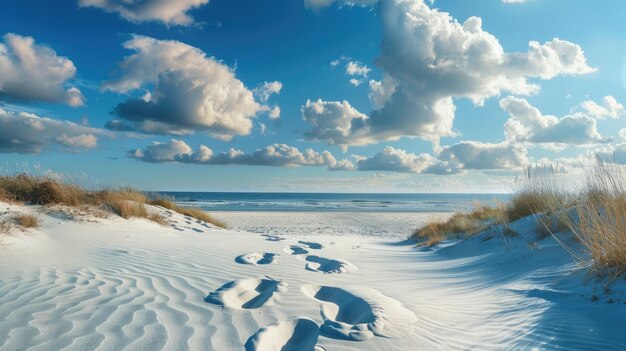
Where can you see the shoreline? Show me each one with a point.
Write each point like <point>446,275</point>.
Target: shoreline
<point>382,225</point>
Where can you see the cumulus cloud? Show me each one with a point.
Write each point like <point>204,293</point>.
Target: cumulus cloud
<point>192,92</point>
<point>428,59</point>
<point>34,72</point>
<point>473,155</point>
<point>335,122</point>
<point>279,155</point>
<point>318,4</point>
<point>397,160</point>
<point>27,133</point>
<point>622,133</point>
<point>607,108</point>
<point>170,12</point>
<point>527,124</point>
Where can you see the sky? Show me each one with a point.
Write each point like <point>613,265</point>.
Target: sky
<point>310,95</point>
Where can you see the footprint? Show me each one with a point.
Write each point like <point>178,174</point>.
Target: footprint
<point>246,293</point>
<point>358,313</point>
<point>270,237</point>
<point>311,245</point>
<point>256,258</point>
<point>296,250</point>
<point>297,334</point>
<point>328,265</point>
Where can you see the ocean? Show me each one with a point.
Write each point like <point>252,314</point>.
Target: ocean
<point>331,202</point>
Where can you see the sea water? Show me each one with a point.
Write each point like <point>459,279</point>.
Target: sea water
<point>331,202</point>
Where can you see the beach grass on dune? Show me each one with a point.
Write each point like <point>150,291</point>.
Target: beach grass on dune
<point>26,220</point>
<point>187,211</point>
<point>594,211</point>
<point>124,202</point>
<point>460,224</point>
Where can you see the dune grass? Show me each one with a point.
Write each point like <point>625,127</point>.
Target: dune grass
<point>43,191</point>
<point>599,219</point>
<point>26,220</point>
<point>594,211</point>
<point>124,202</point>
<point>461,224</point>
<point>187,211</point>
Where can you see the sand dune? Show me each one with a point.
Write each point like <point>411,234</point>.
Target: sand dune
<point>115,284</point>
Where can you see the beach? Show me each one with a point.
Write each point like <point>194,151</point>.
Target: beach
<point>116,284</point>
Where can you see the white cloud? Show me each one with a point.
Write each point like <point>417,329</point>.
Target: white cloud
<point>397,160</point>
<point>514,1</point>
<point>28,133</point>
<point>318,4</point>
<point>264,91</point>
<point>355,82</point>
<point>192,92</point>
<point>483,156</point>
<point>170,12</point>
<point>33,72</point>
<point>279,155</point>
<point>335,122</point>
<point>622,133</point>
<point>428,59</point>
<point>267,89</point>
<point>356,68</point>
<point>607,108</point>
<point>527,124</point>
<point>274,112</point>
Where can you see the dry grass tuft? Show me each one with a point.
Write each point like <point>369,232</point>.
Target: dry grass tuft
<point>5,227</point>
<point>4,196</point>
<point>26,220</point>
<point>43,191</point>
<point>187,211</point>
<point>600,218</point>
<point>127,209</point>
<point>460,224</point>
<point>157,218</point>
<point>537,192</point>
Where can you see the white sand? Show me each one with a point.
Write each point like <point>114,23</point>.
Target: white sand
<point>133,285</point>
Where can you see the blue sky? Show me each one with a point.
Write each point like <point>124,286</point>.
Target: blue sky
<point>443,103</point>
